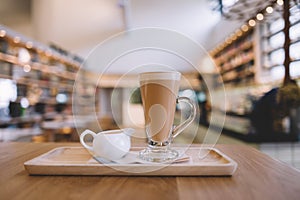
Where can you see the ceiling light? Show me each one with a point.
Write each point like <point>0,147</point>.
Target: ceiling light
<point>259,16</point>
<point>27,68</point>
<point>61,98</point>
<point>252,22</point>
<point>280,2</point>
<point>245,28</point>
<point>2,33</point>
<point>234,38</point>
<point>29,45</point>
<point>24,102</point>
<point>17,39</point>
<point>228,41</point>
<point>269,9</point>
<point>239,33</point>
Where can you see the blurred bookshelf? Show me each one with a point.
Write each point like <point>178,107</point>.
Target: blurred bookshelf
<point>38,79</point>
<point>250,63</point>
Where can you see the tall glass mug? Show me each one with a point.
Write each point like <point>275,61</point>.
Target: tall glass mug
<point>159,92</point>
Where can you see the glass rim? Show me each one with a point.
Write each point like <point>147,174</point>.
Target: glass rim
<point>160,75</point>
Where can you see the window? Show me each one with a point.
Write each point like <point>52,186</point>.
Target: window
<point>273,43</point>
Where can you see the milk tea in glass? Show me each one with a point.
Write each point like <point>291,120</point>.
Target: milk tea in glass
<point>159,92</point>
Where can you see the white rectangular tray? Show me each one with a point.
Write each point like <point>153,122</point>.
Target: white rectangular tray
<point>78,161</point>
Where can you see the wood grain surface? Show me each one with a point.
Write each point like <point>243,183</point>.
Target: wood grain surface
<point>258,177</point>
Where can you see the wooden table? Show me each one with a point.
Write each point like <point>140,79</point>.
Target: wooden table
<point>258,177</point>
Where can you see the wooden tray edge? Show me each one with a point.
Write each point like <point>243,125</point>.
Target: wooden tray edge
<point>54,169</point>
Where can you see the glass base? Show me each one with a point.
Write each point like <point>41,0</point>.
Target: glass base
<point>158,154</point>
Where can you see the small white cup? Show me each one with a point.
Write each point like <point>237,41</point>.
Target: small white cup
<point>110,145</point>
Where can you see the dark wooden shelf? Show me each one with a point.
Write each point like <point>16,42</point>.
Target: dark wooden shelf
<point>38,66</point>
<point>40,83</point>
<point>240,65</point>
<point>67,60</point>
<point>51,72</point>
<point>240,78</point>
<point>236,61</point>
<point>227,55</point>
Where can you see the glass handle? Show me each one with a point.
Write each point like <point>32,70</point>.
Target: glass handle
<point>178,129</point>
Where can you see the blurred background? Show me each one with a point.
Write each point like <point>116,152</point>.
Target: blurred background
<point>250,49</point>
